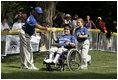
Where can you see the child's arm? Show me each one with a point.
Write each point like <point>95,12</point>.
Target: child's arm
<point>70,43</point>
<point>54,35</point>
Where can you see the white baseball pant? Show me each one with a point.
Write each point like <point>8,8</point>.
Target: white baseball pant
<point>83,48</point>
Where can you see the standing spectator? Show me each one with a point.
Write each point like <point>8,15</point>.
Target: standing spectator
<point>9,20</point>
<point>4,25</point>
<point>28,29</point>
<point>82,35</point>
<point>68,21</point>
<point>55,19</point>
<point>20,14</point>
<point>24,17</point>
<point>89,23</point>
<point>74,20</point>
<point>114,26</point>
<point>18,25</point>
<point>100,25</point>
<point>58,19</point>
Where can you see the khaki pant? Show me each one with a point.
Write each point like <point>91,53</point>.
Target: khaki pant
<point>26,53</point>
<point>83,48</point>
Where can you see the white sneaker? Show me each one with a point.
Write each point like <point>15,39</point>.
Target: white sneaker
<point>48,61</point>
<point>33,68</point>
<point>83,67</point>
<point>55,61</point>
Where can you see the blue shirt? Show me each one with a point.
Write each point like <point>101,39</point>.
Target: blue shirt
<point>81,31</point>
<point>65,38</point>
<point>29,26</point>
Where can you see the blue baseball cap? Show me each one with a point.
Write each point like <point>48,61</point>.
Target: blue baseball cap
<point>38,10</point>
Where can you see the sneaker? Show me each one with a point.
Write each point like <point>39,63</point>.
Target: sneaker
<point>23,67</point>
<point>85,68</point>
<point>55,61</point>
<point>81,67</point>
<point>33,68</point>
<point>48,61</point>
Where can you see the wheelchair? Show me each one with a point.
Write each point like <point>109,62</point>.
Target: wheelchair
<point>70,59</point>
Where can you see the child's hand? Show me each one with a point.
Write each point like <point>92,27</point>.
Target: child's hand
<point>67,43</point>
<point>54,29</point>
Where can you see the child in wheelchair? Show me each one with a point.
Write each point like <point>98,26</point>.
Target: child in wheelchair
<point>65,42</point>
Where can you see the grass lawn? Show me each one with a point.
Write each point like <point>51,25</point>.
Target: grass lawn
<point>104,66</point>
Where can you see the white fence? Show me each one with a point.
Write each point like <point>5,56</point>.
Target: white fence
<point>11,44</point>
<point>98,41</point>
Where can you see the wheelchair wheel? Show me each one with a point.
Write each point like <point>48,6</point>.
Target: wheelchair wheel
<point>73,61</point>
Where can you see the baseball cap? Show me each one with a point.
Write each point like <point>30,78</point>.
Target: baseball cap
<point>38,10</point>
<point>68,15</point>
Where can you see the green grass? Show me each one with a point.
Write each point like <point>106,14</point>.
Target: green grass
<point>104,66</point>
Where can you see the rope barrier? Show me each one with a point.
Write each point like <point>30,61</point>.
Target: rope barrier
<point>51,29</point>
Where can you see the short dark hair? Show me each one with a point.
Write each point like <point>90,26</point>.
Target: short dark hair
<point>67,25</point>
<point>20,17</point>
<point>71,31</point>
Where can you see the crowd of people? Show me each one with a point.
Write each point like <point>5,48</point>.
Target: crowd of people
<point>59,20</point>
<point>9,23</point>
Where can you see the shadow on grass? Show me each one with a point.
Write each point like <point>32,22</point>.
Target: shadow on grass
<point>13,67</point>
<point>57,75</point>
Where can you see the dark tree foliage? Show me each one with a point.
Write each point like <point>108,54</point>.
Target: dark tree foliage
<point>105,9</point>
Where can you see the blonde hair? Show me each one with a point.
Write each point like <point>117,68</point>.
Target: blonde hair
<point>80,19</point>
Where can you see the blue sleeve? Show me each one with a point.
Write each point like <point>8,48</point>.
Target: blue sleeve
<point>86,31</point>
<point>32,21</point>
<point>73,40</point>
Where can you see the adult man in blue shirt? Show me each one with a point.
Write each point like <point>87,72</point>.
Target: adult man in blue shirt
<point>28,29</point>
<point>65,42</point>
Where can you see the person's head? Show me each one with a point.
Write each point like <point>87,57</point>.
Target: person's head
<point>75,16</point>
<point>20,19</point>
<point>68,16</point>
<point>87,17</point>
<point>3,19</point>
<point>7,14</point>
<point>37,12</point>
<point>20,13</point>
<point>67,29</point>
<point>99,18</point>
<point>80,22</point>
<point>24,16</point>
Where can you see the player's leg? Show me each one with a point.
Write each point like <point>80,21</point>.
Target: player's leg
<point>51,54</point>
<point>85,56</point>
<point>22,49</point>
<point>59,52</point>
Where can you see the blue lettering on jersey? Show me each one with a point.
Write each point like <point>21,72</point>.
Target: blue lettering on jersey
<point>65,38</point>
